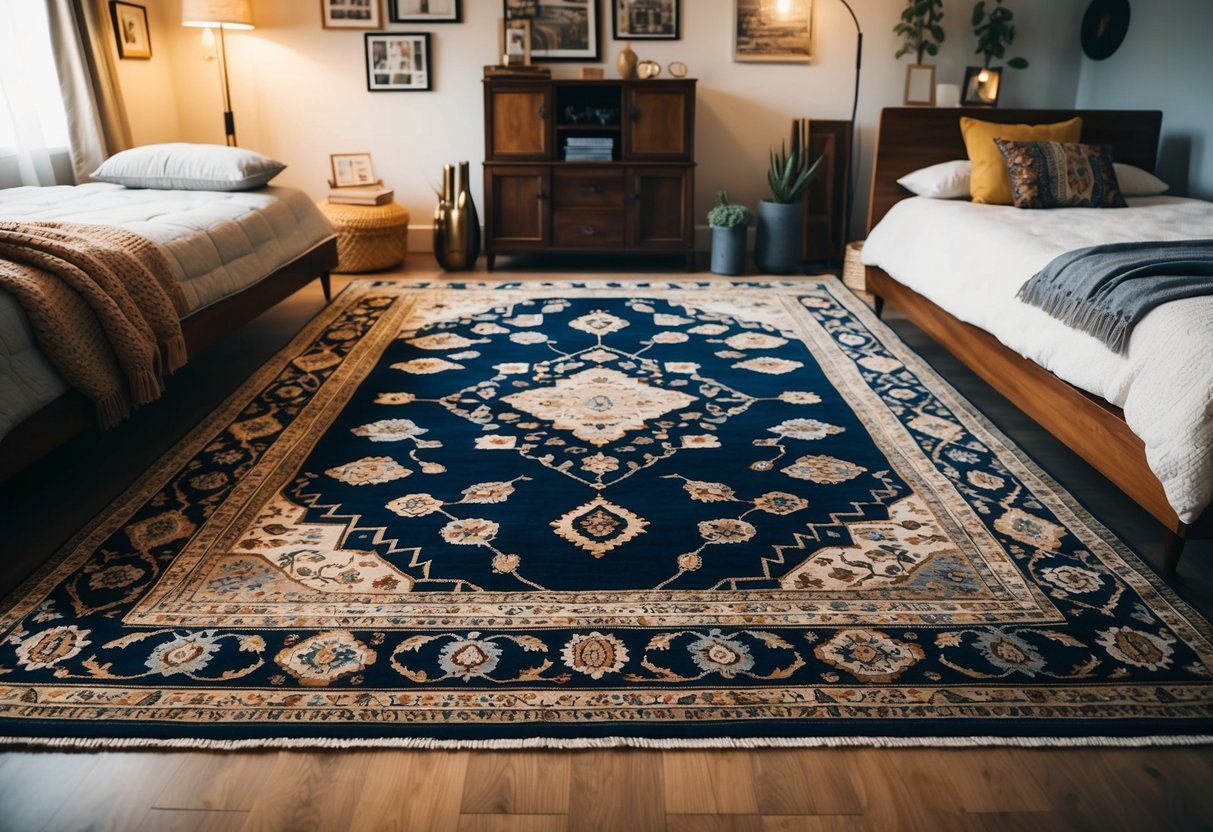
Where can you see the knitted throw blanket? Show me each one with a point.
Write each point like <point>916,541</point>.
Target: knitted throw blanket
<point>1105,290</point>
<point>103,305</point>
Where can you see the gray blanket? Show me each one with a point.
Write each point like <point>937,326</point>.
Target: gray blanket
<point>1105,290</point>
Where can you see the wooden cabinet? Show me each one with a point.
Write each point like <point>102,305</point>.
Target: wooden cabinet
<point>578,166</point>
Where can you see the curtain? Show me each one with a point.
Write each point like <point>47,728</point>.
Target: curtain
<point>81,35</point>
<point>21,123</point>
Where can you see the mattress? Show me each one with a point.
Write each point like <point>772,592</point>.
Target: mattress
<point>970,260</point>
<point>218,244</point>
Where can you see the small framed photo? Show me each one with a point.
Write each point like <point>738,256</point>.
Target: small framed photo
<point>515,46</point>
<point>920,86</point>
<point>425,11</point>
<point>352,169</point>
<point>398,61</point>
<point>351,14</point>
<point>981,86</point>
<point>561,30</point>
<point>645,19</point>
<point>130,29</point>
<point>773,32</point>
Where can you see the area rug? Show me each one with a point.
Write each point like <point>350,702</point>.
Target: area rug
<point>591,513</point>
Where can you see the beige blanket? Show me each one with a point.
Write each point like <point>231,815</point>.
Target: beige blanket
<point>103,306</point>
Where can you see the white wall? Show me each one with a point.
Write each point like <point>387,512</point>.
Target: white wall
<point>1165,63</point>
<point>300,90</point>
<point>147,85</point>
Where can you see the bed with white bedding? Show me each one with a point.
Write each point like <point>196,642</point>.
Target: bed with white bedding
<point>234,252</point>
<point>1144,418</point>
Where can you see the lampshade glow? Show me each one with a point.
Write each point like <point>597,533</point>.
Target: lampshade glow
<point>229,14</point>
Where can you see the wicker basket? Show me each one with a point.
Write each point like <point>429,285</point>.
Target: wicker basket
<point>369,237</point>
<point>853,275</point>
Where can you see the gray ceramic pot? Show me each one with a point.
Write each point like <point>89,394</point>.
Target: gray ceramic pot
<point>728,250</point>
<point>778,249</point>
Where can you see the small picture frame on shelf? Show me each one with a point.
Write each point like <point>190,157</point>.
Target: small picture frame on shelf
<point>646,19</point>
<point>398,62</point>
<point>425,11</point>
<point>920,86</point>
<point>515,42</point>
<point>981,86</point>
<point>130,30</point>
<point>561,30</point>
<point>351,14</point>
<point>351,170</point>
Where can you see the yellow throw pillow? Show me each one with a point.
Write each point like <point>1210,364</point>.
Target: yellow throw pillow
<point>989,183</point>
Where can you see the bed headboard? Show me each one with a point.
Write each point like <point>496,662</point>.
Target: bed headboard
<point>909,138</point>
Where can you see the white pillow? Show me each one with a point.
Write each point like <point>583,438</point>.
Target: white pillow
<point>188,167</point>
<point>1134,181</point>
<point>947,180</point>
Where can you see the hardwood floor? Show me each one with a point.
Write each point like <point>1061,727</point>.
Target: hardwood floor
<point>834,790</point>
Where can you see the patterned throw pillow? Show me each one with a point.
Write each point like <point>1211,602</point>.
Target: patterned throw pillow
<point>1061,175</point>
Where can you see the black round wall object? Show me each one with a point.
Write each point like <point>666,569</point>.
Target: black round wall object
<point>1104,27</point>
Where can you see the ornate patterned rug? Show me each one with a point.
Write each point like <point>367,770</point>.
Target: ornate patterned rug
<point>544,513</point>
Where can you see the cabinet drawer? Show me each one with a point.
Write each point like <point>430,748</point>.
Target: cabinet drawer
<point>588,188</point>
<point>587,229</point>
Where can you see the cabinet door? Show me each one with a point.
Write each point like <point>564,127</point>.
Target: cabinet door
<point>517,121</point>
<point>660,213</point>
<point>518,213</point>
<point>660,120</point>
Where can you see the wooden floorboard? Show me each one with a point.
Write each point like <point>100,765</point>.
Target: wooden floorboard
<point>810,790</point>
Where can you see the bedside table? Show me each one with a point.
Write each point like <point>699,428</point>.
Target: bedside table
<point>369,237</point>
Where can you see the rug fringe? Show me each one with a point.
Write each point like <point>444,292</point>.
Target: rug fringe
<point>585,743</point>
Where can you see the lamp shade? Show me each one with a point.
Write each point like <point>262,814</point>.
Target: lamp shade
<point>229,14</point>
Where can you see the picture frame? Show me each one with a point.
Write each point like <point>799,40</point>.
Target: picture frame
<point>646,19</point>
<point>765,32</point>
<point>351,14</point>
<point>131,30</point>
<point>514,43</point>
<point>425,11</point>
<point>398,62</point>
<point>920,86</point>
<point>561,30</point>
<point>352,170</point>
<point>981,86</point>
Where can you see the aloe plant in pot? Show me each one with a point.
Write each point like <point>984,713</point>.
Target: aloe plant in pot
<point>778,249</point>
<point>728,221</point>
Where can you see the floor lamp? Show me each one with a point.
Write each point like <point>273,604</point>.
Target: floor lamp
<point>846,203</point>
<point>221,15</point>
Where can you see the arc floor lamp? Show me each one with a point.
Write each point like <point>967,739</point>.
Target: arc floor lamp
<point>850,186</point>
<point>221,15</point>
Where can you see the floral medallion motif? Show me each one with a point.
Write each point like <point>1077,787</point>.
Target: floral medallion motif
<point>595,654</point>
<point>426,366</point>
<point>869,655</point>
<point>717,653</point>
<point>805,429</point>
<point>755,341</point>
<point>46,649</point>
<point>598,323</point>
<point>370,470</point>
<point>1137,648</point>
<point>769,366</point>
<point>389,430</point>
<point>599,526</point>
<point>826,470</point>
<point>324,658</point>
<point>1026,528</point>
<point>469,658</point>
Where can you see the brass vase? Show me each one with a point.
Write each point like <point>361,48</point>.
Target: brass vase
<point>456,223</point>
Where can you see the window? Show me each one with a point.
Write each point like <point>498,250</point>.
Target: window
<point>30,100</point>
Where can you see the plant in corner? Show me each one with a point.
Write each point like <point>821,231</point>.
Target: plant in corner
<point>995,32</point>
<point>728,221</point>
<point>920,29</point>
<point>779,246</point>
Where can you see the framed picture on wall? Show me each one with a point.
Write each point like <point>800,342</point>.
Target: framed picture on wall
<point>981,86</point>
<point>645,19</point>
<point>351,14</point>
<point>773,32</point>
<point>425,11</point>
<point>561,30</point>
<point>398,61</point>
<point>130,29</point>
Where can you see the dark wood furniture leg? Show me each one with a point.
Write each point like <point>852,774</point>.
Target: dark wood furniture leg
<point>1172,547</point>
<point>878,305</point>
<point>326,285</point>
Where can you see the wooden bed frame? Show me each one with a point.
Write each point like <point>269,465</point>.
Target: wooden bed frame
<point>912,138</point>
<point>72,414</point>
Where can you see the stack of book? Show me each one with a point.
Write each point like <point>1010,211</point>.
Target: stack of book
<point>589,149</point>
<point>368,195</point>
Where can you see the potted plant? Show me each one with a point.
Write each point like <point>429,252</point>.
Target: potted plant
<point>728,221</point>
<point>778,248</point>
<point>995,32</point>
<point>920,29</point>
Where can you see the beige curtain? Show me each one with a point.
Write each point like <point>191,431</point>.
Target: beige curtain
<point>81,35</point>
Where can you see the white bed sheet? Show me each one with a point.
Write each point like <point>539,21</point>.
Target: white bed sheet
<point>217,242</point>
<point>972,259</point>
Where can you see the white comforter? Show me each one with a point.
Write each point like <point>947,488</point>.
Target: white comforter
<point>218,243</point>
<point>971,260</point>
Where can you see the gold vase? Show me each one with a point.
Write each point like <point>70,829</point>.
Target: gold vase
<point>456,222</point>
<point>626,63</point>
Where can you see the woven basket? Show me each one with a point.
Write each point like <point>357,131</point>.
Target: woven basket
<point>853,276</point>
<point>369,237</point>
